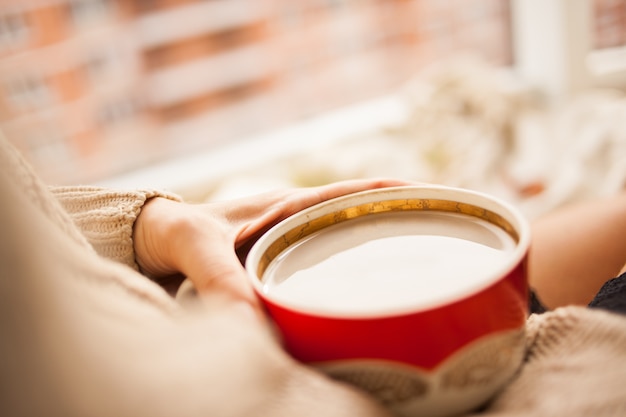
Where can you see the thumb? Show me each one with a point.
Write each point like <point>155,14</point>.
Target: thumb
<point>217,276</point>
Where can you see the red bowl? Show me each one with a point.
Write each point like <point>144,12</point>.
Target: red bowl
<point>435,355</point>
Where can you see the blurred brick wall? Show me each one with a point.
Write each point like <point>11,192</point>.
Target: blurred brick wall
<point>93,88</point>
<point>609,23</point>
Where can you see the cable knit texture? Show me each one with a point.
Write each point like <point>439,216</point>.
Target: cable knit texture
<point>106,217</point>
<point>575,366</point>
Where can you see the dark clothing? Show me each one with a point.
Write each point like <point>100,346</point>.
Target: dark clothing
<point>611,297</point>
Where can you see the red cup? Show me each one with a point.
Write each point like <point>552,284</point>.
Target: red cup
<point>445,351</point>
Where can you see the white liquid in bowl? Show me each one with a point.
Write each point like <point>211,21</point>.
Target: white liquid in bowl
<point>388,261</point>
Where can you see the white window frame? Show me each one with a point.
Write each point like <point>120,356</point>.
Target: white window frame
<point>553,48</point>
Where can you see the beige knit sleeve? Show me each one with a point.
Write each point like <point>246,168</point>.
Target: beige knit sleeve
<point>575,366</point>
<point>106,217</point>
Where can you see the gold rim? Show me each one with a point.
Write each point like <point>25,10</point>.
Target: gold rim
<point>366,209</point>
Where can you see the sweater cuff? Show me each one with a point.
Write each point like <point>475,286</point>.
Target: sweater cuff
<point>106,217</point>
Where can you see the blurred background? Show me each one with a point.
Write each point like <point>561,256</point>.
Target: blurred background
<point>182,93</point>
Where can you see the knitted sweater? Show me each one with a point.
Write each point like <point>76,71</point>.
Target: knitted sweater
<point>84,333</point>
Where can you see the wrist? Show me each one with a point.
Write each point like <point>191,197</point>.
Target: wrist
<point>151,230</point>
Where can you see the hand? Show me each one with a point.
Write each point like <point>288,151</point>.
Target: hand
<point>201,241</point>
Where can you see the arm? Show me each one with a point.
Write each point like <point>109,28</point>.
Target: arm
<point>576,249</point>
<point>220,358</point>
<point>81,337</point>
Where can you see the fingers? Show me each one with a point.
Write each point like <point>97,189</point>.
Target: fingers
<point>303,198</point>
<point>268,209</point>
<point>338,189</point>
